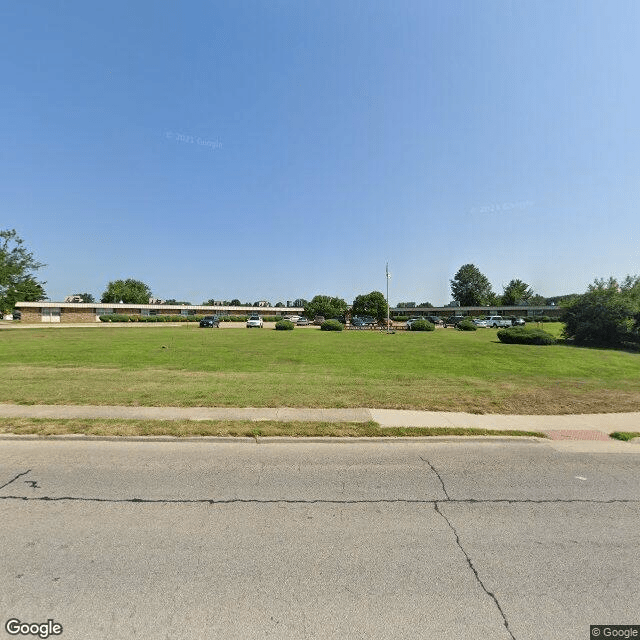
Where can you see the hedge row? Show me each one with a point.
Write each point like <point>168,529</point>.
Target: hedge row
<point>525,335</point>
<point>121,317</point>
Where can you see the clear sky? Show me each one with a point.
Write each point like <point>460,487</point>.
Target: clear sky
<point>279,149</point>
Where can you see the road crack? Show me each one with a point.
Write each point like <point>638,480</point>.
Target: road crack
<point>473,569</point>
<point>24,473</point>
<point>436,506</point>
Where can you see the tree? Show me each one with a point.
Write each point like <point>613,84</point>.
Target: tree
<point>129,291</point>
<point>372,304</point>
<point>516,292</point>
<point>470,288</point>
<point>84,297</point>
<point>406,305</point>
<point>173,301</point>
<point>17,281</point>
<point>608,314</point>
<point>428,305</point>
<point>327,306</point>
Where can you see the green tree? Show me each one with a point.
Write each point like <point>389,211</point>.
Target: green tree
<point>17,281</point>
<point>470,288</point>
<point>327,306</point>
<point>129,291</point>
<point>516,292</point>
<point>86,297</point>
<point>371,304</point>
<point>608,314</point>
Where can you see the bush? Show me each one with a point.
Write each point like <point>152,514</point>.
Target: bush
<point>284,325</point>
<point>331,325</point>
<point>422,325</point>
<point>525,335</point>
<point>466,325</point>
<point>607,315</point>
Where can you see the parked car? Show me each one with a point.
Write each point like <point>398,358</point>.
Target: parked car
<point>497,322</point>
<point>480,322</point>
<point>293,319</point>
<point>210,321</point>
<point>452,321</point>
<point>254,321</point>
<point>318,320</point>
<point>302,321</point>
<point>517,322</point>
<point>410,321</point>
<point>437,320</point>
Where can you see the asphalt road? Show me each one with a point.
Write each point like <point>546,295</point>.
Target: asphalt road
<point>374,541</point>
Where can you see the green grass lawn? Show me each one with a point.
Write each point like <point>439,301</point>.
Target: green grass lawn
<point>188,366</point>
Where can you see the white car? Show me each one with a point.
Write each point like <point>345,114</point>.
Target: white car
<point>294,319</point>
<point>254,321</point>
<point>480,322</point>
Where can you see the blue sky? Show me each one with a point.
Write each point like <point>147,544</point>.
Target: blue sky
<point>280,149</point>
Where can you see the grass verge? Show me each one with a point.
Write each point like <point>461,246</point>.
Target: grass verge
<point>250,429</point>
<point>625,435</point>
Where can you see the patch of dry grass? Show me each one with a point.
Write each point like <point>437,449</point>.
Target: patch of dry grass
<point>240,429</point>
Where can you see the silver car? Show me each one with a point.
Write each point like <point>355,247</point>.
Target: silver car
<point>254,321</point>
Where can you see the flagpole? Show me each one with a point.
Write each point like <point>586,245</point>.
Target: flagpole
<point>388,276</point>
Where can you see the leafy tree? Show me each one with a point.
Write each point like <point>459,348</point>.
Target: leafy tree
<point>129,291</point>
<point>425,304</point>
<point>406,305</point>
<point>279,304</point>
<point>471,288</point>
<point>85,297</point>
<point>327,306</point>
<point>173,301</point>
<point>516,292</point>
<point>17,282</point>
<point>537,300</point>
<point>371,304</point>
<point>235,303</point>
<point>608,314</point>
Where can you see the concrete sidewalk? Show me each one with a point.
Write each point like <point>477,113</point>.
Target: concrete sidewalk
<point>560,427</point>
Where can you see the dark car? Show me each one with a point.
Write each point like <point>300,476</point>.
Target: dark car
<point>364,321</point>
<point>452,321</point>
<point>437,320</point>
<point>210,321</point>
<point>17,315</point>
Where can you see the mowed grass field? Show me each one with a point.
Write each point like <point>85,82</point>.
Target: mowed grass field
<point>445,370</point>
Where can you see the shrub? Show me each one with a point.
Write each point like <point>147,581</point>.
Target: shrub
<point>607,315</point>
<point>284,325</point>
<point>422,325</point>
<point>466,325</point>
<point>331,325</point>
<point>525,335</point>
